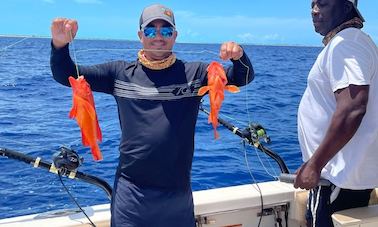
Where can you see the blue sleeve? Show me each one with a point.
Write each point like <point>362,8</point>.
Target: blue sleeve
<point>241,72</point>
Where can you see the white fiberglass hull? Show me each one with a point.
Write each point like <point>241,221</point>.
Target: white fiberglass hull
<point>237,206</point>
<point>229,206</point>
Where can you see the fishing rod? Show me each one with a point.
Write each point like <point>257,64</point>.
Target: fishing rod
<point>252,135</point>
<point>65,164</point>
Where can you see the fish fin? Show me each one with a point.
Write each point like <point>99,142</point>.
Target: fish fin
<point>73,112</point>
<point>203,90</point>
<point>72,81</point>
<point>232,88</point>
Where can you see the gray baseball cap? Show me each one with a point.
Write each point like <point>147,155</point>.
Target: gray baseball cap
<point>354,2</point>
<point>154,12</point>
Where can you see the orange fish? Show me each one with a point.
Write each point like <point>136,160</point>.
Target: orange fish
<point>216,84</point>
<point>83,109</point>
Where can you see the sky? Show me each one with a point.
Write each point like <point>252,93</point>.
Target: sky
<point>266,22</point>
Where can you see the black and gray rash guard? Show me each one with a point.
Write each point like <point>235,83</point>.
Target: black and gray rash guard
<point>157,111</point>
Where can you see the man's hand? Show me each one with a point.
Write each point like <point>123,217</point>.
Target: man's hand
<point>308,176</point>
<point>230,50</point>
<point>63,31</point>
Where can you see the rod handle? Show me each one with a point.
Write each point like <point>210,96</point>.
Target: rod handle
<point>289,178</point>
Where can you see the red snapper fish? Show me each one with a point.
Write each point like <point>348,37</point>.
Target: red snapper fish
<point>216,84</point>
<point>83,109</point>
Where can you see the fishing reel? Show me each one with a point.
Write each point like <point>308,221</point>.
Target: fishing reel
<point>67,159</point>
<point>256,132</point>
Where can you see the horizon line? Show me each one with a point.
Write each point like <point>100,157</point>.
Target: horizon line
<point>128,40</point>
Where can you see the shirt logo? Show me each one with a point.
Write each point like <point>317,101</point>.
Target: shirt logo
<point>170,92</point>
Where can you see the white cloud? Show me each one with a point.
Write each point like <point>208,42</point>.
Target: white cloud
<point>272,37</point>
<point>248,38</point>
<point>241,28</point>
<point>257,39</point>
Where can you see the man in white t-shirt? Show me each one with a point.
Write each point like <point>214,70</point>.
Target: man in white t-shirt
<point>337,122</point>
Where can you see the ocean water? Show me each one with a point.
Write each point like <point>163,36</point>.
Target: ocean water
<point>34,120</point>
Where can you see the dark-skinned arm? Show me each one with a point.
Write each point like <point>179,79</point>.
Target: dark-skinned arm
<point>351,105</point>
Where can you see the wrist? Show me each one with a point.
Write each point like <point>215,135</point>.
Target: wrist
<point>316,164</point>
<point>57,44</point>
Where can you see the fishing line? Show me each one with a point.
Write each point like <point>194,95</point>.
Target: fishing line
<point>273,175</point>
<point>233,119</point>
<point>74,54</point>
<point>15,43</point>
<point>249,121</point>
<point>77,72</point>
<point>246,91</point>
<point>175,51</point>
<point>255,183</point>
<point>74,200</point>
<point>136,49</point>
<point>60,178</point>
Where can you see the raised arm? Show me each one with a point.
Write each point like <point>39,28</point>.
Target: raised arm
<point>241,72</point>
<point>100,77</point>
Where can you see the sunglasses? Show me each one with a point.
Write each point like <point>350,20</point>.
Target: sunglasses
<point>165,32</point>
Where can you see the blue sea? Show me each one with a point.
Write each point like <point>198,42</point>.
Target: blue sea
<point>34,120</point>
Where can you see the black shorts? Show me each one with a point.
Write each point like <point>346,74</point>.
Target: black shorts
<point>323,201</point>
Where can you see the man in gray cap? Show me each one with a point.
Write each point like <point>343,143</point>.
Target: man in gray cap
<point>337,124</point>
<point>158,106</point>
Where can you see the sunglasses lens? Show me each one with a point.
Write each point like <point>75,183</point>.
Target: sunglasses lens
<point>150,32</point>
<point>166,32</point>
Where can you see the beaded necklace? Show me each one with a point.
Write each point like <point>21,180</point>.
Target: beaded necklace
<point>156,65</point>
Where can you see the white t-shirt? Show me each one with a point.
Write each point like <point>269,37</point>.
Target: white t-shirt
<point>351,57</point>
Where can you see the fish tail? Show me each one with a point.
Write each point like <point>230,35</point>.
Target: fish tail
<point>216,134</point>
<point>214,122</point>
<point>209,119</point>
<point>96,153</point>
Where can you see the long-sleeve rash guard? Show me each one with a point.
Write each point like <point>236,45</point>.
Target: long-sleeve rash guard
<point>157,112</point>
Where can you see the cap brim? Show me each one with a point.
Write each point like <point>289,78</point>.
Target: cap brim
<point>156,18</point>
<point>359,14</point>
